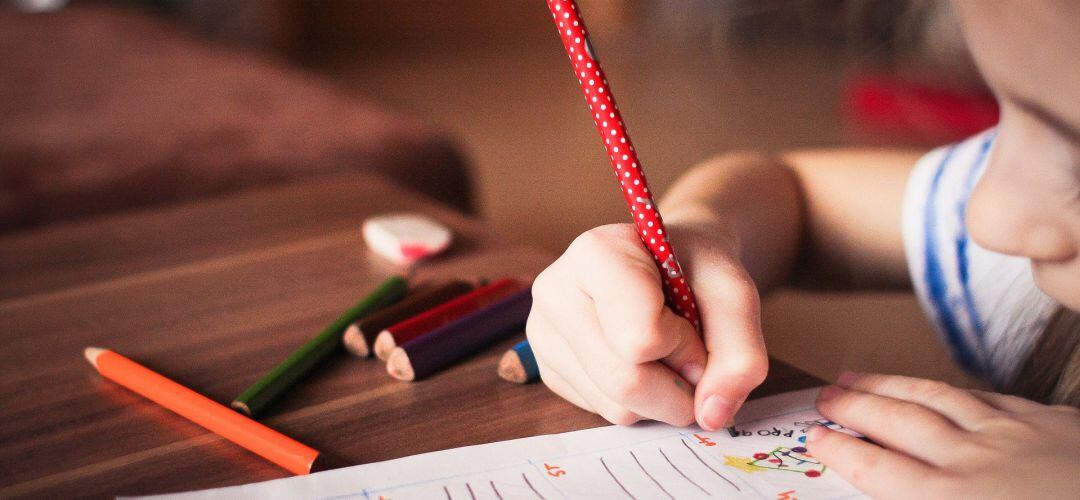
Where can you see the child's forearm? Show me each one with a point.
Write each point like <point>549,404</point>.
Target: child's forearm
<point>746,200</point>
<point>826,218</point>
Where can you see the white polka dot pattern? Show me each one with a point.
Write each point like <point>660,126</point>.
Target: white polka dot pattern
<point>620,150</point>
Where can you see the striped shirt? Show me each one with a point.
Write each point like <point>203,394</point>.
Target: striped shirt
<point>984,305</point>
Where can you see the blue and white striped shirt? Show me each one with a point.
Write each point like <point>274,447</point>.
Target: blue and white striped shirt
<point>985,305</point>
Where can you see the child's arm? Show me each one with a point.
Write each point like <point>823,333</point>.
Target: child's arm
<point>602,336</point>
<point>814,218</point>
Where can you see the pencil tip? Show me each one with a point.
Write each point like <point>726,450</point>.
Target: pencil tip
<point>92,353</point>
<point>398,365</point>
<point>384,344</point>
<point>510,368</point>
<point>241,407</point>
<point>354,341</point>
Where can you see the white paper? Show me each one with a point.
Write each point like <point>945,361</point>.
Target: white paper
<point>766,460</point>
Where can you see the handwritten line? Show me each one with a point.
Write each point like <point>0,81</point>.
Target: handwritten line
<point>363,494</point>
<point>531,487</point>
<point>653,479</point>
<point>496,490</point>
<point>721,476</point>
<point>592,452</point>
<point>447,491</point>
<point>602,462</point>
<point>673,466</point>
<point>471,494</point>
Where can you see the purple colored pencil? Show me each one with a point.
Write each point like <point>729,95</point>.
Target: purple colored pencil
<point>448,344</point>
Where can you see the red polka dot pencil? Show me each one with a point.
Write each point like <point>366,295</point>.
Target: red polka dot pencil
<point>624,159</point>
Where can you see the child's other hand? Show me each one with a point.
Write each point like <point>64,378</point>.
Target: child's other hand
<point>605,341</point>
<point>938,441</point>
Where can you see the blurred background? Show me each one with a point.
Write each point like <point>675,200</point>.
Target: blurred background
<point>113,106</point>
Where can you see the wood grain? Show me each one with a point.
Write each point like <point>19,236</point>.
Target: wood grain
<point>69,254</point>
<point>214,312</point>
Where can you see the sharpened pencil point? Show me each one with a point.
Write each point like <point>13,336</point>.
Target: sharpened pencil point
<point>384,345</point>
<point>92,353</point>
<point>510,368</point>
<point>399,367</point>
<point>241,407</point>
<point>354,341</point>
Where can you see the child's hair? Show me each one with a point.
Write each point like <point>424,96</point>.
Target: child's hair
<point>1051,373</point>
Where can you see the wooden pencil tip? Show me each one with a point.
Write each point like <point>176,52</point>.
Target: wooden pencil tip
<point>92,353</point>
<point>241,407</point>
<point>398,365</point>
<point>354,341</point>
<point>384,345</point>
<point>510,368</point>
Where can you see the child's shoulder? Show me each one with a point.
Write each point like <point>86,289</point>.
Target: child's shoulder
<point>949,172</point>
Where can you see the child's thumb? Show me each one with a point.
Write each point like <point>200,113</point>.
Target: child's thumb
<point>737,361</point>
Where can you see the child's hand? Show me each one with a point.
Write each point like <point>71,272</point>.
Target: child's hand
<point>605,341</point>
<point>938,441</point>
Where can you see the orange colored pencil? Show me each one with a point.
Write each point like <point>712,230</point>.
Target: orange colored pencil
<point>257,438</point>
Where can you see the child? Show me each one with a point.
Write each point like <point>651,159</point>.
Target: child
<point>987,230</point>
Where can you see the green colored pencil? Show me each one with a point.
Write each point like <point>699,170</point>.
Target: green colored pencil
<point>254,400</point>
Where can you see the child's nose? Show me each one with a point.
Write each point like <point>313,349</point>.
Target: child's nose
<point>1009,220</point>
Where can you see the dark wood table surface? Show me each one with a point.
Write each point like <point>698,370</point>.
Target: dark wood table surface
<point>213,294</point>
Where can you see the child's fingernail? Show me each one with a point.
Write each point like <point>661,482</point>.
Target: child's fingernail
<point>816,432</point>
<point>830,392</point>
<point>847,378</point>
<point>715,412</point>
<point>692,372</point>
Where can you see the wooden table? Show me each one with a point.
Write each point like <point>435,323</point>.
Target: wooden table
<point>213,294</point>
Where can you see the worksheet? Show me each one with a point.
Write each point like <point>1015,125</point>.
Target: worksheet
<point>767,459</point>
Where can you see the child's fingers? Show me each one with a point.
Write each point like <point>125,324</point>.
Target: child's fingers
<point>604,299</point>
<point>961,406</point>
<point>1005,402</point>
<point>560,386</point>
<point>737,362</point>
<point>651,390</point>
<point>567,376</point>
<point>619,276</point>
<point>538,332</point>
<point>688,358</point>
<point>897,424</point>
<point>876,471</point>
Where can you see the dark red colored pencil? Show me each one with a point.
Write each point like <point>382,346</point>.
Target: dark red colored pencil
<point>359,337</point>
<point>440,315</point>
<point>430,353</point>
